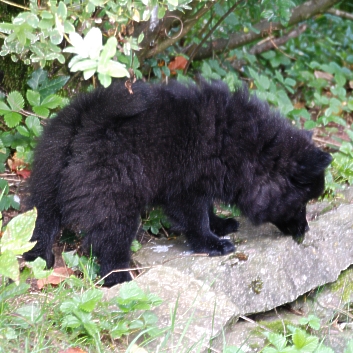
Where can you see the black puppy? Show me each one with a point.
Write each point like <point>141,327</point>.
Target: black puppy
<point>109,154</point>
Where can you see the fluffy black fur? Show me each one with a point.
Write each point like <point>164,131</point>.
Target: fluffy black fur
<point>110,154</point>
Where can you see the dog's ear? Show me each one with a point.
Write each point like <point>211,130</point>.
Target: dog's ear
<point>315,161</point>
<point>323,159</point>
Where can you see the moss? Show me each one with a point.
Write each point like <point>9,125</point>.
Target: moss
<point>15,75</point>
<point>344,285</point>
<point>276,326</point>
<point>256,285</point>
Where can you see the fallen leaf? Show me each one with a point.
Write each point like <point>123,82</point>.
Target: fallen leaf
<point>179,63</point>
<point>325,75</point>
<point>73,350</point>
<point>24,173</point>
<point>136,349</point>
<point>59,274</point>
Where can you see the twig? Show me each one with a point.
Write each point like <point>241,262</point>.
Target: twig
<point>187,25</point>
<point>340,13</point>
<point>149,267</point>
<point>272,42</point>
<point>16,5</point>
<point>181,27</point>
<point>204,39</point>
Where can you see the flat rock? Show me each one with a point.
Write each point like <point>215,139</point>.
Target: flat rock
<point>188,304</point>
<point>268,269</point>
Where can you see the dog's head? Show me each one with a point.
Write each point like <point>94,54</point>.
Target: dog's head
<point>305,182</point>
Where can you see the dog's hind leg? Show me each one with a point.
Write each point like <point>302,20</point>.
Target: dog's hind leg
<point>111,241</point>
<point>46,229</point>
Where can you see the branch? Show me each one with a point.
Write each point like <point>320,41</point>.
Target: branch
<point>15,5</point>
<point>271,43</point>
<point>340,13</point>
<point>299,14</point>
<point>188,19</point>
<point>204,39</point>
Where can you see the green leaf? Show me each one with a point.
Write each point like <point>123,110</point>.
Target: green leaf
<point>161,11</point>
<point>140,37</point>
<point>85,64</point>
<point>115,69</point>
<point>38,267</point>
<point>173,2</point>
<point>88,73</point>
<point>33,124</point>
<point>340,79</point>
<point>41,111</point>
<point>56,36</point>
<point>135,246</point>
<point>90,299</point>
<point>33,97</point>
<point>32,313</point>
<point>310,124</point>
<point>108,52</point>
<point>105,80</point>
<point>38,77</point>
<point>4,109</point>
<point>303,342</point>
<point>46,23</point>
<point>71,321</point>
<point>62,10</point>
<point>68,27</point>
<point>52,86</point>
<point>18,233</point>
<point>12,290</point>
<point>277,340</point>
<point>12,119</point>
<point>23,130</point>
<point>46,14</point>
<point>9,265</point>
<point>349,348</point>
<point>6,28</point>
<point>52,101</point>
<point>15,101</point>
